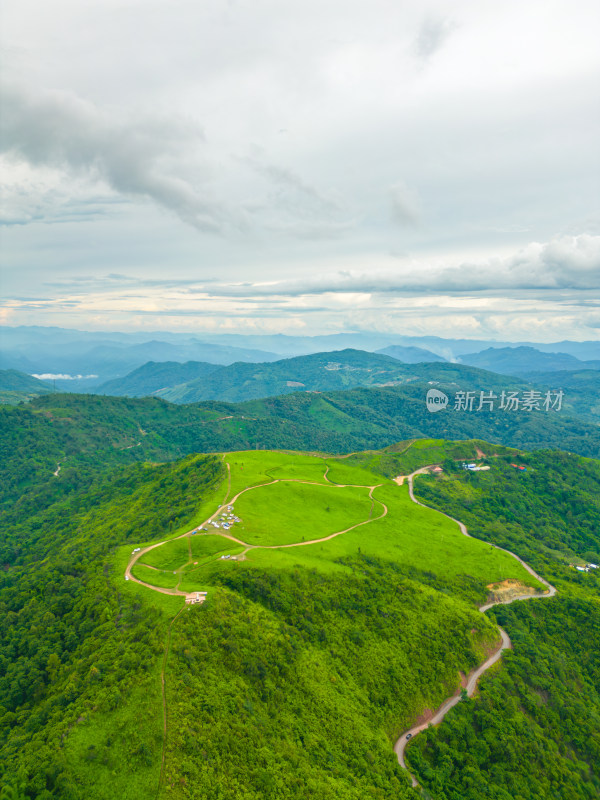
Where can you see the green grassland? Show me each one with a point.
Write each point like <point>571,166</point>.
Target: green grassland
<point>292,512</point>
<point>249,468</point>
<point>206,545</point>
<point>170,555</point>
<point>288,512</point>
<point>165,579</point>
<point>301,467</point>
<point>411,536</point>
<point>344,471</point>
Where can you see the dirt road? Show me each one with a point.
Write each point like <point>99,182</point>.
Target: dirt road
<point>474,676</point>
<point>176,592</point>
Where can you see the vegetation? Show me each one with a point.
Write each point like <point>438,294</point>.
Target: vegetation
<point>305,663</point>
<point>533,732</point>
<point>16,387</point>
<point>80,648</point>
<point>288,512</point>
<point>82,434</point>
<point>155,376</point>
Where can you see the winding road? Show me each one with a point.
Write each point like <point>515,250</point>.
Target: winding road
<point>505,642</point>
<point>176,592</point>
<point>472,678</point>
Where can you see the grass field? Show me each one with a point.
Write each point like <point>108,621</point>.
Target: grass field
<point>408,535</point>
<point>284,512</point>
<point>165,580</point>
<point>206,545</point>
<point>344,471</point>
<point>249,468</point>
<point>292,512</point>
<point>169,556</point>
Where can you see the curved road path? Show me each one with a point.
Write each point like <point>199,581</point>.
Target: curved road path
<point>505,643</point>
<point>473,677</point>
<point>176,592</point>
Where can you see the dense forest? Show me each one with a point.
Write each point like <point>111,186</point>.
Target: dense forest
<point>533,732</point>
<point>289,682</point>
<point>72,641</point>
<point>84,433</point>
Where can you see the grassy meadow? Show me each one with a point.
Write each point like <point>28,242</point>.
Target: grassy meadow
<point>288,499</point>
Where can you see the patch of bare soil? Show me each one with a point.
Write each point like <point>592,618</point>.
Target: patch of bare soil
<point>506,590</point>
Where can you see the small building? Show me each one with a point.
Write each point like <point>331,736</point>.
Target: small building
<point>196,597</point>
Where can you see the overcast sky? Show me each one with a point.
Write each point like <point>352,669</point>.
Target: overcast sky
<point>303,167</point>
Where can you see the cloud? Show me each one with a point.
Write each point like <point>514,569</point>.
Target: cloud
<point>58,129</point>
<point>431,37</point>
<point>294,207</point>
<point>567,262</point>
<point>51,376</point>
<point>406,207</point>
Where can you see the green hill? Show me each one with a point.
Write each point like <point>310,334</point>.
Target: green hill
<point>325,372</point>
<point>581,386</point>
<point>16,386</point>
<point>521,360</point>
<point>533,731</point>
<point>341,369</point>
<point>308,657</point>
<point>410,355</point>
<point>154,377</point>
<point>80,432</point>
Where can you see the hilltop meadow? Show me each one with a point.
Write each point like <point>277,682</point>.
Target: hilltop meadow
<point>343,612</point>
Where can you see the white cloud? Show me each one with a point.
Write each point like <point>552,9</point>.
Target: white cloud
<point>60,130</point>
<point>314,139</point>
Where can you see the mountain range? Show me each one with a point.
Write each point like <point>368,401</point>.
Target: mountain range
<point>83,360</point>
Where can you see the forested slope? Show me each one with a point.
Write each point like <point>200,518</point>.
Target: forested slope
<point>76,643</point>
<point>288,681</point>
<point>293,679</point>
<point>81,433</point>
<point>534,731</point>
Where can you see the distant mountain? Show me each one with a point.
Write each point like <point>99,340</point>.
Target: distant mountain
<point>410,355</point>
<point>14,381</point>
<point>16,386</point>
<point>321,372</point>
<point>520,360</point>
<point>318,372</point>
<point>366,340</point>
<point>581,389</point>
<point>155,376</point>
<point>94,358</point>
<point>63,350</point>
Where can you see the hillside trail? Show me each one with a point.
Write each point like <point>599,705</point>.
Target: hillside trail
<point>164,702</point>
<point>178,593</point>
<point>505,642</point>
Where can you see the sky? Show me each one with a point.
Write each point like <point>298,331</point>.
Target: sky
<point>303,167</point>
